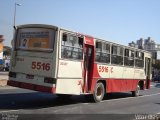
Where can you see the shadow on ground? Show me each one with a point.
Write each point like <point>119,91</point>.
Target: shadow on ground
<point>157,85</point>
<point>37,100</point>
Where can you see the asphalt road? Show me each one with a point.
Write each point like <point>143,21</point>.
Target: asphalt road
<point>114,106</point>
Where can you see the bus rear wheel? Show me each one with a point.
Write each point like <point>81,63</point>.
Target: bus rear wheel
<point>136,92</point>
<point>99,92</point>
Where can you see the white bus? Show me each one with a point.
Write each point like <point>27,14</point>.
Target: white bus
<point>51,59</point>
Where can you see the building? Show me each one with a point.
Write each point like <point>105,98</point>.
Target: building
<point>149,45</point>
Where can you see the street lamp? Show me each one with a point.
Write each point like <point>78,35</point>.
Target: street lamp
<point>16,4</point>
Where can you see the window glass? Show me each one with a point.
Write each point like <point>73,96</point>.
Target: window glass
<point>139,59</point>
<point>117,55</point>
<point>114,50</point>
<point>98,46</point>
<point>119,51</point>
<point>129,57</point>
<point>105,48</point>
<point>36,39</point>
<point>126,52</point>
<point>102,52</point>
<point>71,46</point>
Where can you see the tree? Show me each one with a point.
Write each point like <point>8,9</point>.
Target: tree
<point>6,51</point>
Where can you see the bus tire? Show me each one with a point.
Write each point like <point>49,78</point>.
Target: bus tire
<point>136,92</point>
<point>99,92</point>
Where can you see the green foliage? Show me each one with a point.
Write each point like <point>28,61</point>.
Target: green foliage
<point>7,51</point>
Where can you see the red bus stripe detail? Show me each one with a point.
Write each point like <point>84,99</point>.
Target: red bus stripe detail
<point>31,86</point>
<point>121,85</point>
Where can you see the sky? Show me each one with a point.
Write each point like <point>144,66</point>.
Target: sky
<point>119,21</point>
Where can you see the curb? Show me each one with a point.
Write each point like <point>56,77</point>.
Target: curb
<point>3,82</point>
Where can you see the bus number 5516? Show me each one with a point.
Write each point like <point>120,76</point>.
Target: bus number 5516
<point>40,65</point>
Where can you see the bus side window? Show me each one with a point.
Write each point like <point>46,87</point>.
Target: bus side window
<point>80,42</point>
<point>129,57</point>
<point>102,52</point>
<point>126,57</point>
<point>98,51</point>
<point>65,37</point>
<point>120,55</point>
<point>64,49</point>
<point>114,54</point>
<point>105,55</point>
<point>117,55</point>
<point>139,59</point>
<point>71,47</point>
<point>80,49</point>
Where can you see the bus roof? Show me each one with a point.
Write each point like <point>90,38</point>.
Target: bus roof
<point>37,25</point>
<point>97,39</point>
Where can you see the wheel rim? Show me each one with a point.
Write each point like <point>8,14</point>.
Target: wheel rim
<point>99,92</point>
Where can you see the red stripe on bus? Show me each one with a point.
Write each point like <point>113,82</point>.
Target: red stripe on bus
<point>31,86</point>
<point>120,85</point>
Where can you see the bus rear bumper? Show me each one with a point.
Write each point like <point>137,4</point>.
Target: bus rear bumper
<point>31,86</point>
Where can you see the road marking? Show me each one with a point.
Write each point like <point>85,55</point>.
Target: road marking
<point>86,103</point>
<point>9,111</point>
<point>158,113</point>
<point>131,97</point>
<point>7,87</point>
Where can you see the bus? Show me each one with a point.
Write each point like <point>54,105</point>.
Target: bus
<point>51,59</point>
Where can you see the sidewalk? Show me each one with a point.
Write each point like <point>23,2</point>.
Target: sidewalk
<point>3,79</point>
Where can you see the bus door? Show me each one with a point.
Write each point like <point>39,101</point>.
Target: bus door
<point>148,71</point>
<point>88,64</point>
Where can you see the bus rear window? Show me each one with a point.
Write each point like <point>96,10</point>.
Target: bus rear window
<point>35,39</point>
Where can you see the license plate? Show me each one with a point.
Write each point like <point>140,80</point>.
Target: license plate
<point>30,76</point>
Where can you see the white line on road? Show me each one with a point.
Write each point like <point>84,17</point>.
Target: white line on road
<point>158,113</point>
<point>9,111</point>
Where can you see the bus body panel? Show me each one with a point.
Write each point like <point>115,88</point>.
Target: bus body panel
<point>36,80</point>
<point>118,78</point>
<point>33,65</point>
<point>34,68</point>
<point>70,79</point>
<point>70,69</point>
<point>30,86</point>
<point>69,86</point>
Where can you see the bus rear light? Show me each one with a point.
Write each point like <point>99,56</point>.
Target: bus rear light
<point>12,74</point>
<point>50,80</point>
